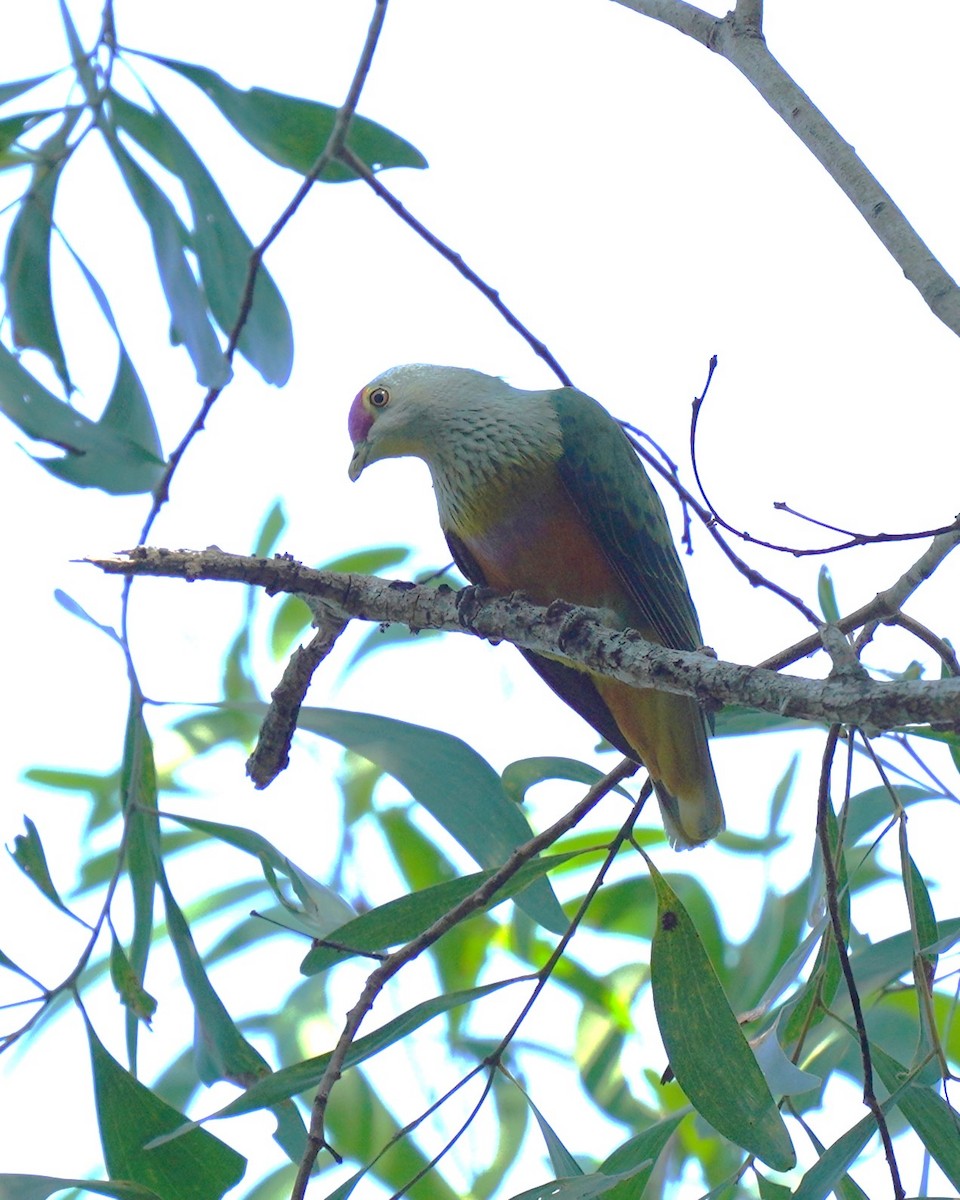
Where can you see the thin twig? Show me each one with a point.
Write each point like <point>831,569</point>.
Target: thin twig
<point>456,260</point>
<point>832,888</point>
<point>477,900</point>
<point>335,142</point>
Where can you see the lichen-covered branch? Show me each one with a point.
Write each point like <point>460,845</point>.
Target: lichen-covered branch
<point>575,633</point>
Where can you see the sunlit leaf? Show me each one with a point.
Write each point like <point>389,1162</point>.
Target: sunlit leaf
<point>707,1050</point>
<point>293,131</point>
<point>197,1166</point>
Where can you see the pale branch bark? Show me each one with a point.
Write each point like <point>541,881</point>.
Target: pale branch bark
<point>572,633</point>
<point>736,37</point>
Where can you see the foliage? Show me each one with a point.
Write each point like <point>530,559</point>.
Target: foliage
<point>753,1031</point>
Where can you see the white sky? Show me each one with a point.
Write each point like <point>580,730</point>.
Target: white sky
<point>640,209</point>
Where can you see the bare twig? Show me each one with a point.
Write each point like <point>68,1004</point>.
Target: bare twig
<point>456,260</point>
<point>883,606</point>
<point>570,632</point>
<point>316,1140</point>
<point>330,152</point>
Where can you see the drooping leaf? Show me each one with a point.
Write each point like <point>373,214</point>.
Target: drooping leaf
<point>10,91</point>
<point>222,248</point>
<point>129,988</point>
<point>291,1081</point>
<point>640,1154</point>
<point>561,1159</point>
<point>292,131</point>
<point>935,1122</point>
<point>707,1050</point>
<point>28,854</point>
<point>76,609</point>
<point>138,791</point>
<point>518,777</point>
<point>26,266</point>
<point>184,295</point>
<point>197,1166</point>
<point>324,908</point>
<point>96,454</point>
<point>456,786</point>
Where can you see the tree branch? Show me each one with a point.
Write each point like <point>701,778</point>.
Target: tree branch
<point>576,634</point>
<point>737,39</point>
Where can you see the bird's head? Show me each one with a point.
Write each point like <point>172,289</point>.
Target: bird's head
<point>415,410</point>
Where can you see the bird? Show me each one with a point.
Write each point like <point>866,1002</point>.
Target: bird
<point>541,492</point>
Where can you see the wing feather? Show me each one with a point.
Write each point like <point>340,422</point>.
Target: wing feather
<point>610,489</point>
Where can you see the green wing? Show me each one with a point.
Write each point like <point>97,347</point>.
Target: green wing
<point>610,489</point>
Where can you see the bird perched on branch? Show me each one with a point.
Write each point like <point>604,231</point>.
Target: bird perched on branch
<point>542,493</point>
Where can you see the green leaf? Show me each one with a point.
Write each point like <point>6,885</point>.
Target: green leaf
<point>81,60</point>
<point>221,1049</point>
<point>383,637</point>
<point>456,786</point>
<point>769,1190</point>
<point>924,916</point>
<point>29,856</point>
<point>707,1050</point>
<point>518,777</point>
<point>274,523</point>
<point>646,1147</point>
<point>405,918</point>
<point>935,1121</point>
<point>96,454</point>
<point>827,597</point>
<point>26,266</point>
<point>38,1187</point>
<point>291,619</point>
<point>138,789</point>
<point>827,1172</point>
<point>324,909</point>
<point>129,987</point>
<point>184,295</point>
<point>222,248</point>
<point>292,131</point>
<point>291,1081</point>
<point>197,1166</point>
<point>874,807</point>
<point>75,609</point>
<point>781,793</point>
<point>586,1187</point>
<point>561,1159</point>
<point>369,562</point>
<point>10,91</point>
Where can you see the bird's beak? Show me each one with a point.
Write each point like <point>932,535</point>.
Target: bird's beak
<point>359,460</point>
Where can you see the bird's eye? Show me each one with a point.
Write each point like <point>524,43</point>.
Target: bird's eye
<point>379,397</point>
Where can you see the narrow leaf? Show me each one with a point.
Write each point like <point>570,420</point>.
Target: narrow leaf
<point>129,988</point>
<point>405,918</point>
<point>561,1159</point>
<point>38,1187</point>
<point>518,777</point>
<point>28,854</point>
<point>827,596</point>
<point>935,1122</point>
<point>456,786</point>
<point>96,455</point>
<point>707,1050</point>
<point>184,295</point>
<point>291,1081</point>
<point>292,131</point>
<point>10,91</point>
<point>197,1166</point>
<point>223,249</point>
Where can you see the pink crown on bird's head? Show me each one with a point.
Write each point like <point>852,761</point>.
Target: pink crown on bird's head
<point>359,420</point>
